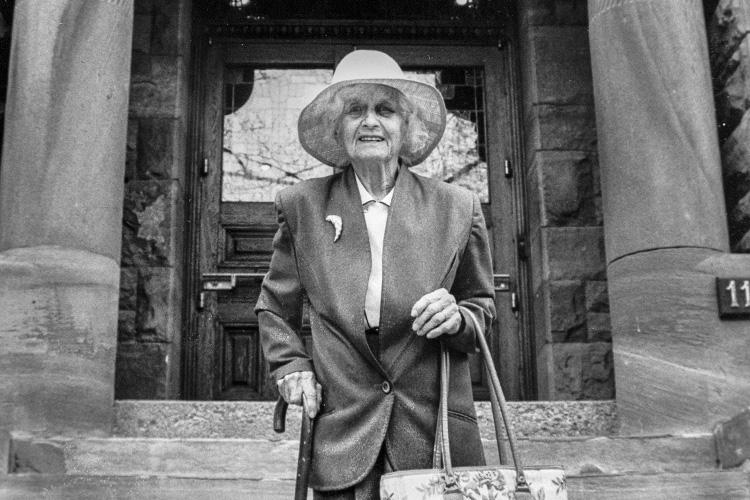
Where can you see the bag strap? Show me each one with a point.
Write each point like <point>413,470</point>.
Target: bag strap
<point>497,393</point>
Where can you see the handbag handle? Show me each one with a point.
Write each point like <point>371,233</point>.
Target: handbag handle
<point>497,396</point>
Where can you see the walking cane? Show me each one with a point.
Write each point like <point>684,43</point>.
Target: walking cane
<point>305,446</point>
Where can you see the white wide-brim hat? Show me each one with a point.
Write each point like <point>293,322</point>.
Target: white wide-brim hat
<point>317,122</point>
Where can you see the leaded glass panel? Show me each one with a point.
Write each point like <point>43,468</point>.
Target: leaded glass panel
<point>261,152</point>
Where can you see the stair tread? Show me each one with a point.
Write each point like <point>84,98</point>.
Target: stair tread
<point>725,485</point>
<point>253,418</point>
<point>257,459</point>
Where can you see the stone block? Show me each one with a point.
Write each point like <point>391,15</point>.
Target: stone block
<point>141,370</point>
<point>727,27</point>
<point>171,28</point>
<point>151,224</point>
<point>533,195</point>
<point>678,366</point>
<point>541,316</point>
<point>554,12</point>
<point>583,371</point>
<point>50,486</point>
<point>156,305</point>
<point>126,330</point>
<point>567,311</point>
<point>127,304</point>
<point>58,337</point>
<point>735,153</point>
<point>598,327</point>
<point>160,148</point>
<point>262,459</point>
<point>559,65</point>
<point>732,485</point>
<point>561,127</point>
<point>598,323</point>
<point>743,245</point>
<point>128,288</point>
<point>157,87</point>
<point>597,299</point>
<point>142,33</point>
<point>659,394</point>
<point>739,220</point>
<point>573,253</point>
<point>567,190</point>
<point>38,457</point>
<point>733,94</point>
<point>131,153</point>
<point>545,372</point>
<point>181,419</point>
<point>537,256</point>
<point>733,440</point>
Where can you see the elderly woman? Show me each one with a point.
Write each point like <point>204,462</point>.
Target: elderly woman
<point>393,264</point>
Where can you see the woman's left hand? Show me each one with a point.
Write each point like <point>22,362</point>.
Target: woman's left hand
<point>436,314</point>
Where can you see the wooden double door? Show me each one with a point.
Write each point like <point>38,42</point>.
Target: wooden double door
<point>246,149</point>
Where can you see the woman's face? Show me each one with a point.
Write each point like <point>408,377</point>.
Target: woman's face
<point>371,127</point>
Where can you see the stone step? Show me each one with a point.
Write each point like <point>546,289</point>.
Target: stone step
<point>253,419</point>
<point>259,459</point>
<point>726,485</point>
<point>69,487</point>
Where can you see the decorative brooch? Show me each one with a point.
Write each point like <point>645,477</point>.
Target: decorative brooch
<point>336,221</point>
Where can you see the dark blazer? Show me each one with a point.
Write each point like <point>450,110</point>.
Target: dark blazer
<point>435,237</point>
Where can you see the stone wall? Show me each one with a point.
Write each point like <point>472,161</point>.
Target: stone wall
<point>571,309</point>
<point>728,29</point>
<point>148,353</point>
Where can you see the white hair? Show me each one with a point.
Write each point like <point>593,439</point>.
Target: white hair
<point>416,134</point>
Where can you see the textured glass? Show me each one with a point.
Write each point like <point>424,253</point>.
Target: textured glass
<point>261,152</point>
<point>460,157</point>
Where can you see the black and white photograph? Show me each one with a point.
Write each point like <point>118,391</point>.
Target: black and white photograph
<point>374,249</point>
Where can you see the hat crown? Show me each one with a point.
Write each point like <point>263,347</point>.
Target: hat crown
<point>367,65</point>
<point>318,121</point>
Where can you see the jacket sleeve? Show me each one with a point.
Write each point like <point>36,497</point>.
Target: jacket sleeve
<point>473,286</point>
<point>279,306</point>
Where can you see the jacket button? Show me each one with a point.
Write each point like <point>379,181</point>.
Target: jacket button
<point>386,386</point>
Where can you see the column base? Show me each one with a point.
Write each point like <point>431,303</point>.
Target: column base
<point>678,367</point>
<point>58,338</point>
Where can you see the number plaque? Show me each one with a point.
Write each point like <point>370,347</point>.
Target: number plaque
<point>733,295</point>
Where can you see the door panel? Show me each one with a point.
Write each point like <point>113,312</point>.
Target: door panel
<point>253,96</point>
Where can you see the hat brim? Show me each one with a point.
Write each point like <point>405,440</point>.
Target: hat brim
<point>317,122</point>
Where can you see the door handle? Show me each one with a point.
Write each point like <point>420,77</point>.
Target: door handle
<point>220,282</point>
<point>501,282</point>
<point>215,282</point>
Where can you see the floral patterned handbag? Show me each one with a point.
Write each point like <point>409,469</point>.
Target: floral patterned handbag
<point>500,482</point>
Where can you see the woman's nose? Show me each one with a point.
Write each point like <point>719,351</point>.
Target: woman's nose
<point>370,119</point>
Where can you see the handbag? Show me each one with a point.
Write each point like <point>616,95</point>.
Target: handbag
<point>500,482</point>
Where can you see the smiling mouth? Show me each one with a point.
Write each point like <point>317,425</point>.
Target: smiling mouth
<point>370,138</point>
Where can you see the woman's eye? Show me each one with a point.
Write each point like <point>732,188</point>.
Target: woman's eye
<point>354,109</point>
<point>385,110</point>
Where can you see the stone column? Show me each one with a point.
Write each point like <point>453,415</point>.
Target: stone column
<point>61,191</point>
<point>677,367</point>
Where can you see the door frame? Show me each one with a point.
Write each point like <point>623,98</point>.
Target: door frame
<point>516,363</point>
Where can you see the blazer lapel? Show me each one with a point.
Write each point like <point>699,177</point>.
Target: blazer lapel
<point>349,258</point>
<point>413,263</point>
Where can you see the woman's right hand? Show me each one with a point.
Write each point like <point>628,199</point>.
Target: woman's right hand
<point>301,387</point>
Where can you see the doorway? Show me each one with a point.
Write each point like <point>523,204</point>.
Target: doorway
<point>246,150</point>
